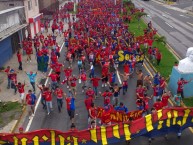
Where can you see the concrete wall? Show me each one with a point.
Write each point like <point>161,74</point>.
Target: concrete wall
<point>7,4</point>
<point>33,11</point>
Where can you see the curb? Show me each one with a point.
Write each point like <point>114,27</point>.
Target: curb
<point>18,121</point>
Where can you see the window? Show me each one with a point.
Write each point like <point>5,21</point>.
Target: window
<point>29,4</point>
<point>36,2</point>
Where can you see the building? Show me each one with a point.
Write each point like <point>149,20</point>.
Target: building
<point>32,14</point>
<point>48,7</point>
<point>12,31</point>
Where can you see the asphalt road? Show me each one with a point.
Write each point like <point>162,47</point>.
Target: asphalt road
<point>171,22</point>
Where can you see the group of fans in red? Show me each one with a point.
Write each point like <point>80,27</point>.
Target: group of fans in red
<point>95,36</point>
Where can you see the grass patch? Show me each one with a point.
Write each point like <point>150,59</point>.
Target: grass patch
<point>8,106</point>
<point>188,101</point>
<point>136,27</point>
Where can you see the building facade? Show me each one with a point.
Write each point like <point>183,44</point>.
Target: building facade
<point>12,31</point>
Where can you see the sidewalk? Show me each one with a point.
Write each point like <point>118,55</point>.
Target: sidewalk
<point>7,95</point>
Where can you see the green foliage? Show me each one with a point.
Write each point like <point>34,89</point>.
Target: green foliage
<point>188,101</point>
<point>160,39</point>
<point>8,106</point>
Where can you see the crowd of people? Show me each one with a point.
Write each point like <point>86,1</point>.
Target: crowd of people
<point>93,38</point>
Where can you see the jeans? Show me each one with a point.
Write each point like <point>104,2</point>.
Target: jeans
<point>53,85</point>
<point>20,65</point>
<point>9,83</point>
<point>49,106</point>
<point>33,86</point>
<point>43,101</point>
<point>95,89</point>
<point>59,103</point>
<point>124,89</point>
<point>13,86</point>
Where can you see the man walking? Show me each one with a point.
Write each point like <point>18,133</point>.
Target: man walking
<point>30,101</point>
<point>32,78</point>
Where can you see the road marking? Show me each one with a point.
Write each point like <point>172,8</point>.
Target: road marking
<point>184,16</point>
<point>164,15</point>
<point>38,102</point>
<point>167,13</point>
<point>189,23</point>
<point>149,16</point>
<point>169,25</point>
<point>118,76</point>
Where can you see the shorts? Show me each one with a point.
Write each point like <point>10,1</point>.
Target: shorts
<point>105,79</point>
<point>22,95</point>
<point>71,113</point>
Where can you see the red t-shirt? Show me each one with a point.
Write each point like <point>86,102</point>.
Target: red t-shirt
<point>53,77</point>
<point>92,112</point>
<point>107,96</point>
<point>165,100</point>
<point>48,96</point>
<point>88,101</point>
<point>140,92</point>
<point>68,72</point>
<point>158,105</point>
<point>126,68</point>
<point>20,88</point>
<point>90,93</point>
<point>181,84</point>
<point>57,67</point>
<point>19,57</point>
<point>105,71</point>
<point>106,115</point>
<point>83,77</point>
<point>73,81</point>
<point>95,82</point>
<point>59,93</point>
<point>29,50</point>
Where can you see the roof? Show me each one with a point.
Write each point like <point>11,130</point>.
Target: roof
<point>11,9</point>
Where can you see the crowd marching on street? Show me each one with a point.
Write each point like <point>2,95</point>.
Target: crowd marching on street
<point>94,36</point>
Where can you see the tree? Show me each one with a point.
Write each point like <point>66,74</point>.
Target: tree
<point>161,39</point>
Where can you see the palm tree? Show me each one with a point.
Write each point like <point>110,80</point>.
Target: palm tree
<point>161,39</point>
<point>138,16</point>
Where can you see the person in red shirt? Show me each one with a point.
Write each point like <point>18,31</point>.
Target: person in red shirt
<point>57,68</point>
<point>95,83</point>
<point>92,113</point>
<point>107,96</point>
<point>29,51</point>
<point>158,57</point>
<point>72,80</point>
<point>67,74</point>
<point>48,99</point>
<point>20,88</point>
<point>181,84</point>
<point>88,101</point>
<point>90,92</point>
<point>140,92</point>
<point>19,58</point>
<point>83,78</point>
<point>158,105</point>
<point>54,78</point>
<point>105,72</point>
<point>106,115</point>
<point>165,98</point>
<point>30,101</point>
<point>60,96</point>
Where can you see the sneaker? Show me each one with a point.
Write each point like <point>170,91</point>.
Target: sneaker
<point>82,91</point>
<point>105,84</point>
<point>30,61</point>
<point>48,113</point>
<point>102,85</point>
<point>67,87</point>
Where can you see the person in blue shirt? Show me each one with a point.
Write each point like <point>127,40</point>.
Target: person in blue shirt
<point>121,108</point>
<point>32,78</point>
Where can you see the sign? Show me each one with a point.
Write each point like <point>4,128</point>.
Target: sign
<point>124,56</point>
<point>161,122</point>
<point>118,117</point>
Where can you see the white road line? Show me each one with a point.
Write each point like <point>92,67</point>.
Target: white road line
<point>38,102</point>
<point>169,25</point>
<point>184,16</point>
<point>167,13</point>
<point>164,15</point>
<point>189,23</point>
<point>119,78</point>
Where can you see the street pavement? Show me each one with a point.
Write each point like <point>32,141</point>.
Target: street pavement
<point>171,22</point>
